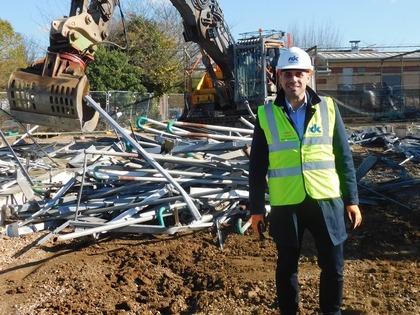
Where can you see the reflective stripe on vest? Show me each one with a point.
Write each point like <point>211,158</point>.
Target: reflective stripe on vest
<point>297,168</point>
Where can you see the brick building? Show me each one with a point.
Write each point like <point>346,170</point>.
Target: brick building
<point>368,82</point>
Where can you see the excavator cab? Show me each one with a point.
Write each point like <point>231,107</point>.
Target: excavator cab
<point>253,81</point>
<point>255,62</point>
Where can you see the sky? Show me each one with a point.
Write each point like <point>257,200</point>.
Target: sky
<point>375,23</point>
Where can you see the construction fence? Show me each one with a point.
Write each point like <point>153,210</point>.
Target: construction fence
<point>376,100</point>
<point>357,100</point>
<point>124,106</point>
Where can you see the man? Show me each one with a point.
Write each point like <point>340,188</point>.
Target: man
<point>301,145</point>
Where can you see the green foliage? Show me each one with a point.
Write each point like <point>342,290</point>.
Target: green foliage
<point>151,63</point>
<point>12,52</point>
<point>156,55</point>
<point>112,71</point>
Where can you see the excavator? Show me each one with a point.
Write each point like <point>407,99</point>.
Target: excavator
<point>239,75</point>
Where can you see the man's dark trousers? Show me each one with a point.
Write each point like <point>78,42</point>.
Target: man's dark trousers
<point>308,215</point>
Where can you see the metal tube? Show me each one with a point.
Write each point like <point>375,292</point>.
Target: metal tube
<point>102,228</point>
<point>186,133</point>
<point>26,134</point>
<point>133,211</point>
<point>79,197</point>
<point>199,194</point>
<point>382,195</point>
<point>16,158</point>
<point>109,226</point>
<point>191,206</point>
<point>131,228</point>
<point>247,123</point>
<point>210,127</point>
<point>50,203</point>
<point>101,172</point>
<point>142,120</point>
<point>208,181</point>
<point>166,158</point>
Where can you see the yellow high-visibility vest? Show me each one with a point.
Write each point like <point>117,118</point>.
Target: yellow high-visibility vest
<point>299,167</point>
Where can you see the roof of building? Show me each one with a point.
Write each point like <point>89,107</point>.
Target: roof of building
<point>365,55</point>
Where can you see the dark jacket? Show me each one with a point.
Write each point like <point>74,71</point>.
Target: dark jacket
<point>343,160</point>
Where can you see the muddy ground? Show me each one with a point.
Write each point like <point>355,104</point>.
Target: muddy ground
<point>190,274</point>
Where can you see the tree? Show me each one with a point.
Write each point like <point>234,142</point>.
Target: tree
<point>147,55</point>
<point>156,56</point>
<point>12,52</point>
<point>112,70</point>
<point>324,35</point>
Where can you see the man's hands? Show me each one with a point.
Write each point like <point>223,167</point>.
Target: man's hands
<point>354,214</point>
<point>258,223</point>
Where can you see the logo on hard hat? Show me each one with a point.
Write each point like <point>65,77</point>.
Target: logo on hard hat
<point>293,59</point>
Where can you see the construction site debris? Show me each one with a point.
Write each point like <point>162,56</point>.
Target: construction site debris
<point>163,179</point>
<point>185,272</point>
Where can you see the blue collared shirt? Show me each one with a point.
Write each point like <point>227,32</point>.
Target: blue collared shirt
<point>298,117</point>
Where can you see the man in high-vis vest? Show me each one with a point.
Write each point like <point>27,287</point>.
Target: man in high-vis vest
<point>300,151</point>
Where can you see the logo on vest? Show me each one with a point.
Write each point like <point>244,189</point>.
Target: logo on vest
<point>315,129</point>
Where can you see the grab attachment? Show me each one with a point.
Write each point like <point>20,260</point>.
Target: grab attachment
<point>50,93</point>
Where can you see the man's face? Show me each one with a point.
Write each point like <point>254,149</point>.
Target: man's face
<point>294,82</point>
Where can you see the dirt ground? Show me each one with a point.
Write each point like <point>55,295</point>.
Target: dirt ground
<point>190,274</point>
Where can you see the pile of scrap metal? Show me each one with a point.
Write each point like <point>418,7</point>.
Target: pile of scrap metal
<point>158,181</point>
<point>402,140</point>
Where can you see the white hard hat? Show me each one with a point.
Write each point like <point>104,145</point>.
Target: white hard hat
<point>294,58</point>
